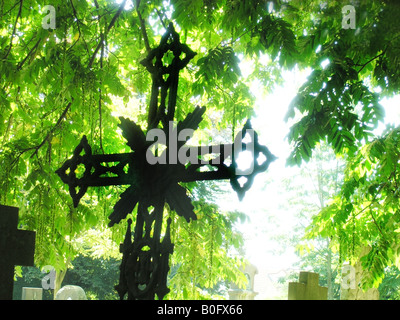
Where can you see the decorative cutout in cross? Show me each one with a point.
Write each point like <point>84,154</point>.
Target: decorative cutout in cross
<point>144,266</point>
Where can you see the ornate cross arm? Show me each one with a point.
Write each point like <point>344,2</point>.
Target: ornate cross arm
<point>261,158</point>
<point>89,170</point>
<point>84,169</point>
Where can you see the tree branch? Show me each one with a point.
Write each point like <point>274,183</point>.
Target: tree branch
<point>100,99</point>
<point>143,27</point>
<point>162,21</point>
<point>372,59</point>
<point>377,225</point>
<point>79,29</point>
<point>64,113</point>
<point>12,8</point>
<point>114,19</point>
<point>21,63</point>
<point>14,29</point>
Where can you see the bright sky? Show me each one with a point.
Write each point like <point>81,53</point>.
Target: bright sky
<point>262,202</point>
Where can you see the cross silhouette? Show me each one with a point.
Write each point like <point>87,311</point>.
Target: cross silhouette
<point>17,247</point>
<point>151,184</point>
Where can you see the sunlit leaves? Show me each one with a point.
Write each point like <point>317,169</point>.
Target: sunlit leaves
<point>57,85</point>
<point>277,37</point>
<point>204,254</point>
<point>365,212</point>
<point>219,80</point>
<point>334,104</point>
<point>220,63</point>
<point>42,71</point>
<point>341,90</point>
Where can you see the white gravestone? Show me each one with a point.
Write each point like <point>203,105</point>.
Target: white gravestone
<point>247,294</point>
<point>32,293</point>
<point>71,293</point>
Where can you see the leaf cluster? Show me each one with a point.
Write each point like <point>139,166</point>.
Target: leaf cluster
<point>57,84</point>
<point>337,101</point>
<point>365,211</point>
<point>206,253</point>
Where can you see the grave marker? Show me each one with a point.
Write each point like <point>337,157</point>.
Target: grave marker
<point>17,247</point>
<point>144,266</point>
<point>70,292</point>
<point>235,293</point>
<point>307,288</point>
<point>32,293</point>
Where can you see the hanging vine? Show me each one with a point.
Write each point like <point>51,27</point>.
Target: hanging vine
<point>211,253</point>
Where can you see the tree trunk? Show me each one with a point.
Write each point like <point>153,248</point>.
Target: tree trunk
<point>60,275</point>
<point>329,271</point>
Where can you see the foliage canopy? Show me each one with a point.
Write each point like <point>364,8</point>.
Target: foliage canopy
<point>57,84</point>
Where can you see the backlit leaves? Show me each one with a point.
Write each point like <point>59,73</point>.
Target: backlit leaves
<point>218,64</point>
<point>42,71</point>
<point>334,105</point>
<point>365,212</point>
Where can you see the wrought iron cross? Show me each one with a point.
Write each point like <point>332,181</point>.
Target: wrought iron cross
<point>151,184</point>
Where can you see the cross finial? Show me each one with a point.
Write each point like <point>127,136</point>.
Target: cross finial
<point>165,76</point>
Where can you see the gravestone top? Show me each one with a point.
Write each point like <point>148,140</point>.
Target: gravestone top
<point>32,293</point>
<point>17,247</point>
<point>71,292</point>
<point>235,293</point>
<point>307,288</point>
<point>250,271</point>
<point>309,278</point>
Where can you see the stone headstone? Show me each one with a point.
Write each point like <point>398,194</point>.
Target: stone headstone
<point>70,292</point>
<point>32,293</point>
<point>17,247</point>
<point>307,288</point>
<point>235,293</point>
